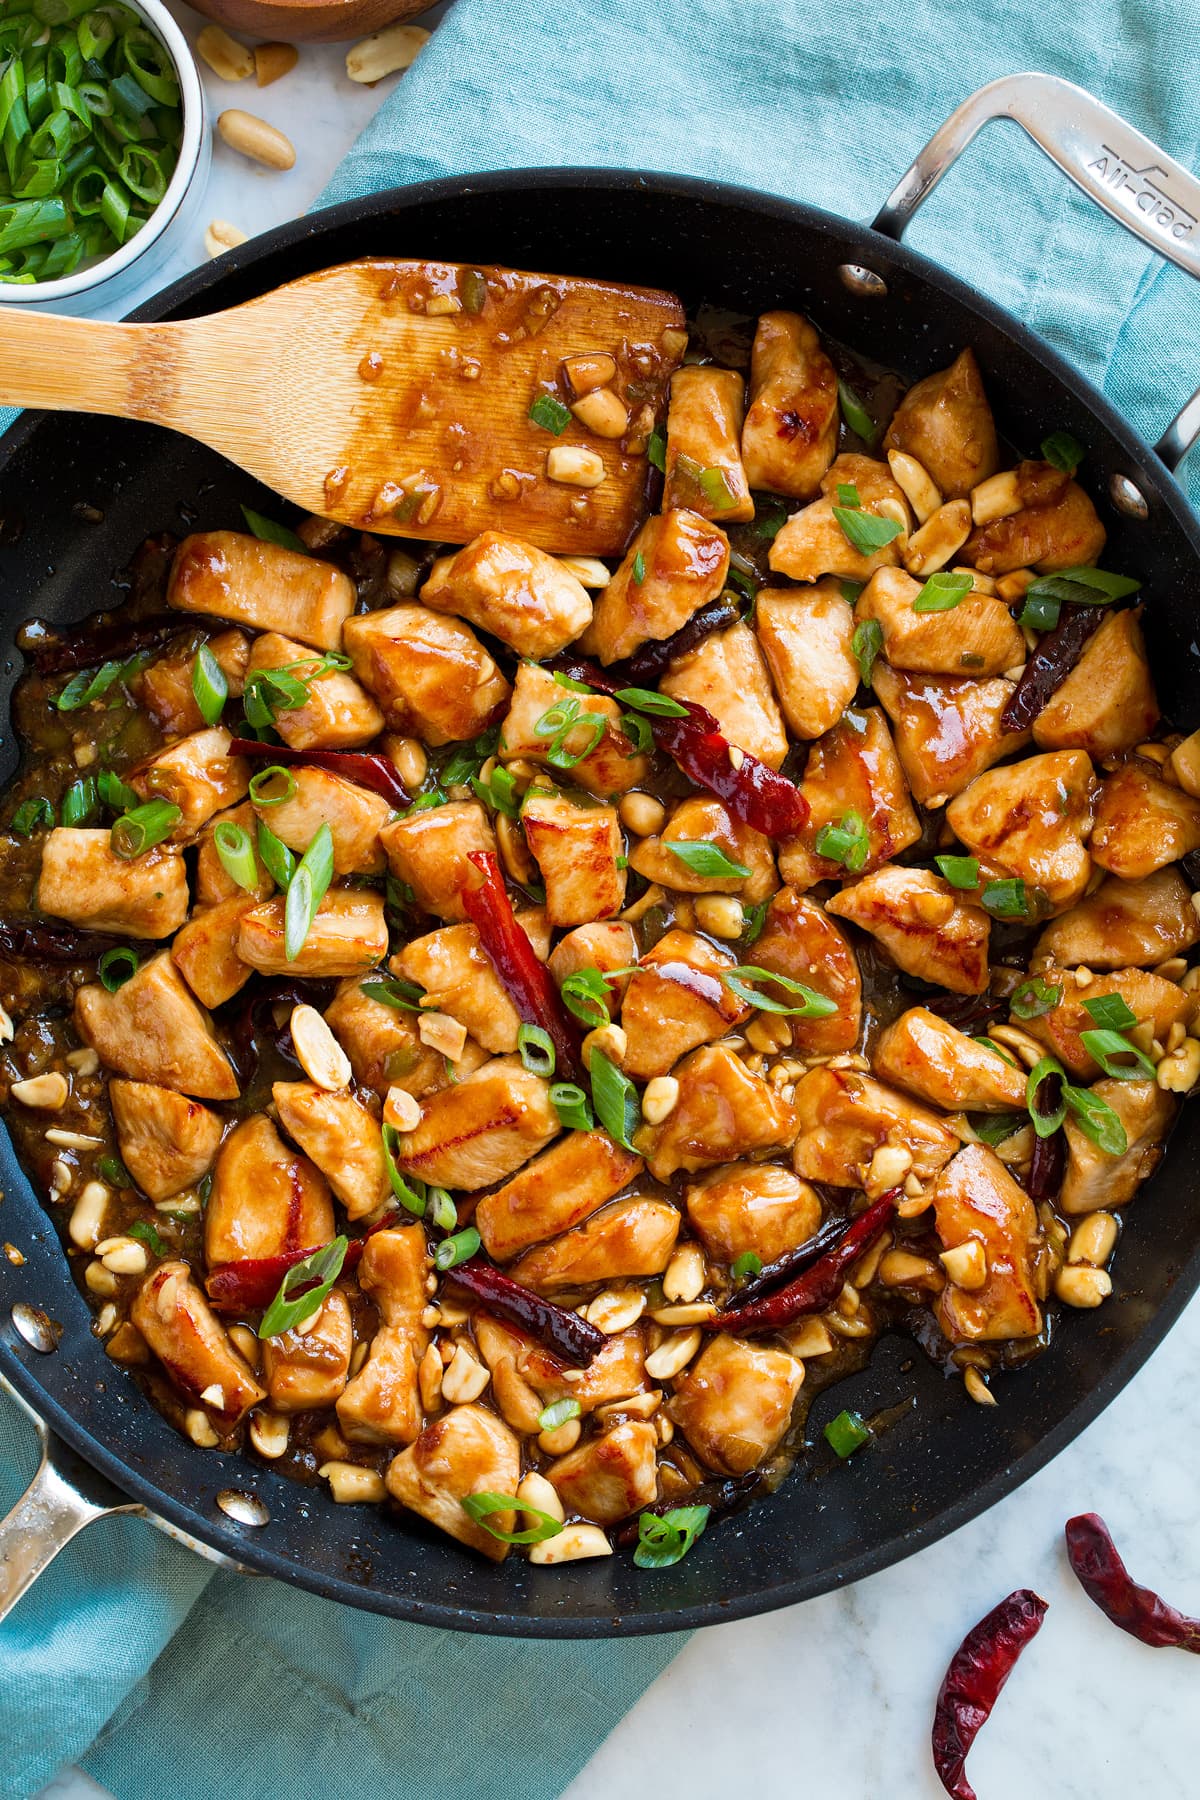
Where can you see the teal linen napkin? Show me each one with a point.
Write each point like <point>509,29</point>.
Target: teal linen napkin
<point>267,1691</point>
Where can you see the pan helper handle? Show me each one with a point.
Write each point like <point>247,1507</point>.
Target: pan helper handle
<point>1135,182</point>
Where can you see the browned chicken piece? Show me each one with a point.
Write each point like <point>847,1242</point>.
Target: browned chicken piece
<point>343,1139</point>
<point>1107,703</point>
<point>431,676</point>
<point>611,767</point>
<point>384,1048</point>
<point>946,423</point>
<point>338,714</point>
<point>1057,527</point>
<point>1142,823</point>
<point>806,635</point>
<point>682,560</point>
<point>757,1207</point>
<point>631,1238</point>
<point>205,950</point>
<point>307,1371</point>
<point>482,1130</point>
<point>734,1402</point>
<point>704,458</point>
<point>267,1199</point>
<point>193,1346</point>
<point>946,729</point>
<point>559,1189</point>
<point>233,576</point>
<point>801,941</point>
<point>852,769</point>
<point>577,850</point>
<point>429,851</point>
<point>1031,819</point>
<point>452,967</point>
<point>723,1112</point>
<point>703,820</point>
<point>976,1198</point>
<point>1124,924</point>
<point>152,1030</point>
<point>467,1451</point>
<point>790,434</point>
<point>727,674</point>
<point>382,1403</point>
<point>512,590</point>
<point>609,1476</point>
<point>196,774</point>
<point>676,1000</point>
<point>937,1062</point>
<point>164,688</point>
<point>348,935</point>
<point>83,881</point>
<point>979,636</point>
<point>167,1142</point>
<point>812,543</point>
<point>1094,1179</point>
<point>928,928</point>
<point>845,1117</point>
<point>213,882</point>
<point>1153,1002</point>
<point>614,1373</point>
<point>354,815</point>
<point>607,945</point>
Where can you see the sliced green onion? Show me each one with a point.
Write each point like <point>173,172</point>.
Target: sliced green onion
<point>1034,998</point>
<point>1063,451</point>
<point>272,786</point>
<point>1081,586</point>
<point>116,966</point>
<point>31,815</point>
<point>236,853</point>
<point>1118,1058</point>
<point>959,871</point>
<point>1040,611</point>
<point>586,994</point>
<point>536,1048</point>
<point>866,644</point>
<point>550,414</point>
<point>116,793</point>
<point>856,415</point>
<point>748,1263</point>
<point>649,700</point>
<point>277,859</point>
<point>707,860</point>
<point>717,489</point>
<point>141,1228</point>
<point>987,1043</point>
<point>139,830</point>
<point>209,686</point>
<point>441,1210</point>
<point>755,917</point>
<point>113,1170</point>
<point>480,1507</point>
<point>639,568</point>
<point>847,1433</point>
<point>942,592</point>
<point>1046,1123</point>
<point>457,1249</point>
<point>656,450</point>
<point>615,1099</point>
<point>1097,1120</point>
<point>557,1414</point>
<point>1111,1011</point>
<point>850,590</point>
<point>637,730</point>
<point>994,1128</point>
<point>499,792</point>
<point>1006,899</point>
<point>848,842</point>
<point>812,1004</point>
<point>80,802</point>
<point>866,532</point>
<point>412,1194</point>
<point>86,686</point>
<point>770,517</point>
<point>306,890</point>
<point>271,533</point>
<point>389,990</point>
<point>472,290</point>
<point>571,1104</point>
<point>316,1274</point>
<point>665,1538</point>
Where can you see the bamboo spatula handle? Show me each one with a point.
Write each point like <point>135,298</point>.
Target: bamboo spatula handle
<point>86,365</point>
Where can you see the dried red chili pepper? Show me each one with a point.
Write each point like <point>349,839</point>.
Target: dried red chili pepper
<point>978,1671</point>
<point>368,770</point>
<point>528,982</point>
<point>246,1286</point>
<point>792,1263</point>
<point>647,665</point>
<point>1050,664</point>
<point>62,943</point>
<point>1106,1581</point>
<point>818,1287</point>
<point>1047,1165</point>
<point>564,1333</point>
<point>754,794</point>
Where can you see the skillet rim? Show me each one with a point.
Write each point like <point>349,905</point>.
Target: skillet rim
<point>1152,474</point>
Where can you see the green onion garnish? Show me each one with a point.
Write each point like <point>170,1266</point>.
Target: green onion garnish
<point>457,1249</point>
<point>478,1507</point>
<point>585,994</point>
<point>959,871</point>
<point>277,859</point>
<point>754,920</point>
<point>1006,899</point>
<point>272,786</point>
<point>316,1274</point>
<point>717,489</point>
<point>116,793</point>
<point>85,687</point>
<point>31,815</point>
<point>656,449</point>
<point>236,853</point>
<point>560,722</point>
<point>993,1128</point>
<point>1111,1012</point>
<point>639,568</point>
<point>1046,1121</point>
<point>866,644</point>
<point>81,802</point>
<point>412,1194</point>
<point>707,860</point>
<point>209,685</point>
<point>866,532</point>
<point>141,1228</point>
<point>847,1433</point>
<point>558,1413</point>
<point>848,842</point>
<point>666,1538</point>
<point>649,700</point>
<point>441,1210</point>
<point>536,1049</point>
<point>571,1104</point>
<point>987,1043</point>
<point>1118,1058</point>
<point>748,1263</point>
<point>1034,998</point>
<point>770,517</point>
<point>499,792</point>
<point>113,1170</point>
<point>271,533</point>
<point>812,1005</point>
<point>306,890</point>
<point>390,990</point>
<point>1097,1120</point>
<point>942,592</point>
<point>1063,451</point>
<point>856,415</point>
<point>144,827</point>
<point>550,413</point>
<point>615,1099</point>
<point>116,966</point>
<point>1083,586</point>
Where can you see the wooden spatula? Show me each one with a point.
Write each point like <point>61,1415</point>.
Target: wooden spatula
<point>396,396</point>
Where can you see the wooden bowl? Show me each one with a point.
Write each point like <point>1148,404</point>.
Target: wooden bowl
<point>311,21</point>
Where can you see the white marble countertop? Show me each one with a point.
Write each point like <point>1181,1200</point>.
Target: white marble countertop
<point>838,1694</point>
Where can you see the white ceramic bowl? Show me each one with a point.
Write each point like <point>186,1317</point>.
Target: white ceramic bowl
<point>104,282</point>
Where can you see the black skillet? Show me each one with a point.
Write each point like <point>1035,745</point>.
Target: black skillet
<point>946,1459</point>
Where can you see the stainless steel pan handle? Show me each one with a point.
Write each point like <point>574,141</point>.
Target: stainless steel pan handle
<point>1135,182</point>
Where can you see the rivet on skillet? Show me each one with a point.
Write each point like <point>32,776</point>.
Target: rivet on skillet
<point>863,282</point>
<point>1127,497</point>
<point>243,1508</point>
<point>38,1329</point>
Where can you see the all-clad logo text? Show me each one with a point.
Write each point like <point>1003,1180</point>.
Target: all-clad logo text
<point>1144,189</point>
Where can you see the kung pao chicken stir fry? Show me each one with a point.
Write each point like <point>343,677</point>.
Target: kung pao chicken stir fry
<point>502,1032</point>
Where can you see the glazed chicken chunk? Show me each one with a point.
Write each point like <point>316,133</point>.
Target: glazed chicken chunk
<point>789,435</point>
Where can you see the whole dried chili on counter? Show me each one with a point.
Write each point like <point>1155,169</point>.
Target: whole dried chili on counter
<point>978,1671</point>
<point>367,769</point>
<point>527,982</point>
<point>1106,1581</point>
<point>754,794</point>
<point>818,1287</point>
<point>563,1333</point>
